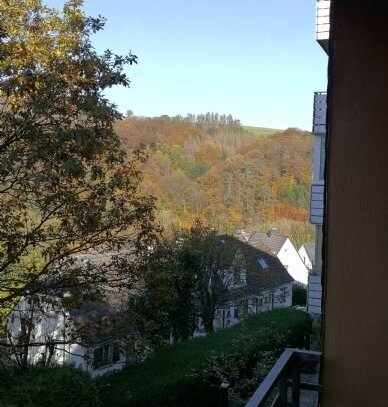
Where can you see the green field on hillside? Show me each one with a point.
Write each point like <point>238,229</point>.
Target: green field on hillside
<point>261,131</point>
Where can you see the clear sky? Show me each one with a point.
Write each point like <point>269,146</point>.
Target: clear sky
<point>255,59</point>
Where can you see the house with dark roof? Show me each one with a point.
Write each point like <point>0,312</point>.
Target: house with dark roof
<point>307,254</point>
<point>65,326</point>
<point>282,248</point>
<point>260,283</point>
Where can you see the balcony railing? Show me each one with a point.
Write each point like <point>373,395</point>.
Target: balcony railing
<point>314,292</point>
<point>319,115</point>
<point>317,204</point>
<point>286,378</point>
<point>323,23</point>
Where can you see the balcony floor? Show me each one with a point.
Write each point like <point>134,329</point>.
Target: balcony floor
<point>309,398</point>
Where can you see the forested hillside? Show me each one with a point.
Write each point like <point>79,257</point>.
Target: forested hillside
<point>209,166</point>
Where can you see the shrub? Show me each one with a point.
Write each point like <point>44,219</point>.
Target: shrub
<point>47,387</point>
<point>299,295</point>
<point>190,373</point>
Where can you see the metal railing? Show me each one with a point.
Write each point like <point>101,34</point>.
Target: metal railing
<point>323,20</point>
<point>319,113</point>
<point>286,374</point>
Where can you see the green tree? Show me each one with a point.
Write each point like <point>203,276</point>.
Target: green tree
<point>65,184</point>
<point>215,262</point>
<point>185,276</point>
<point>165,310</point>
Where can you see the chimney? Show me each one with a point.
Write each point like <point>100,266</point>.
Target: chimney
<point>270,231</point>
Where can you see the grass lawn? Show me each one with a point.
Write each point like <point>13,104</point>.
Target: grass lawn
<point>167,371</point>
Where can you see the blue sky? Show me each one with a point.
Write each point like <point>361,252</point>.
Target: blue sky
<point>255,59</point>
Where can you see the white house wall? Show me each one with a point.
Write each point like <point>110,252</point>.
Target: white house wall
<point>291,260</point>
<point>48,325</point>
<point>274,303</point>
<point>52,325</point>
<point>305,257</point>
<point>82,357</point>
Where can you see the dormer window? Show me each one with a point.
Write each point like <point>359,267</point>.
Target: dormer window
<point>262,263</point>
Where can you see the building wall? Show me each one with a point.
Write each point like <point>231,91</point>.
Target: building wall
<point>355,360</point>
<point>51,324</point>
<point>291,260</point>
<point>266,301</point>
<point>305,258</point>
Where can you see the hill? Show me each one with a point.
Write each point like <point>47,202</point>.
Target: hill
<point>211,167</point>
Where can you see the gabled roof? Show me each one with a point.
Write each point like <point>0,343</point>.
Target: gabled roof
<point>310,250</point>
<point>257,279</point>
<point>270,241</point>
<point>98,311</point>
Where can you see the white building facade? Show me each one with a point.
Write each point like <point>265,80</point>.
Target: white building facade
<point>50,331</point>
<point>231,313</point>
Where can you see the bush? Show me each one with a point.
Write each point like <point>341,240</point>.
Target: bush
<point>190,373</point>
<point>47,387</point>
<point>299,295</point>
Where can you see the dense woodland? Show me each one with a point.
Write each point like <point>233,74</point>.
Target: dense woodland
<point>209,166</point>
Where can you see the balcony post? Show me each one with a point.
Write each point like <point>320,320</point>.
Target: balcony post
<point>224,391</point>
<point>295,377</point>
<point>283,390</point>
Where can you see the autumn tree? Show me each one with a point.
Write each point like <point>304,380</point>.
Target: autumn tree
<point>66,186</point>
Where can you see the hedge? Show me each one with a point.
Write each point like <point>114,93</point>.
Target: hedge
<point>189,374</point>
<point>62,386</point>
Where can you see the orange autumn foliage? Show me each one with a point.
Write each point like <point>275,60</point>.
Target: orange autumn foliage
<point>210,167</point>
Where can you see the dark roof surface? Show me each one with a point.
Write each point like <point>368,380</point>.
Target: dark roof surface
<point>257,279</point>
<point>100,314</point>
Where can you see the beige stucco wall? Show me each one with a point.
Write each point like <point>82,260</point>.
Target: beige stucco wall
<point>355,365</point>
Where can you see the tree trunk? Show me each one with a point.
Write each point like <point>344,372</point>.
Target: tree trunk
<point>208,322</point>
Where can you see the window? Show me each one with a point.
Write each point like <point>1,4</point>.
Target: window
<point>283,294</point>
<point>262,263</point>
<point>245,306</point>
<point>236,276</point>
<point>258,302</point>
<point>116,352</point>
<point>235,313</point>
<point>322,158</point>
<point>106,355</point>
<point>268,299</point>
